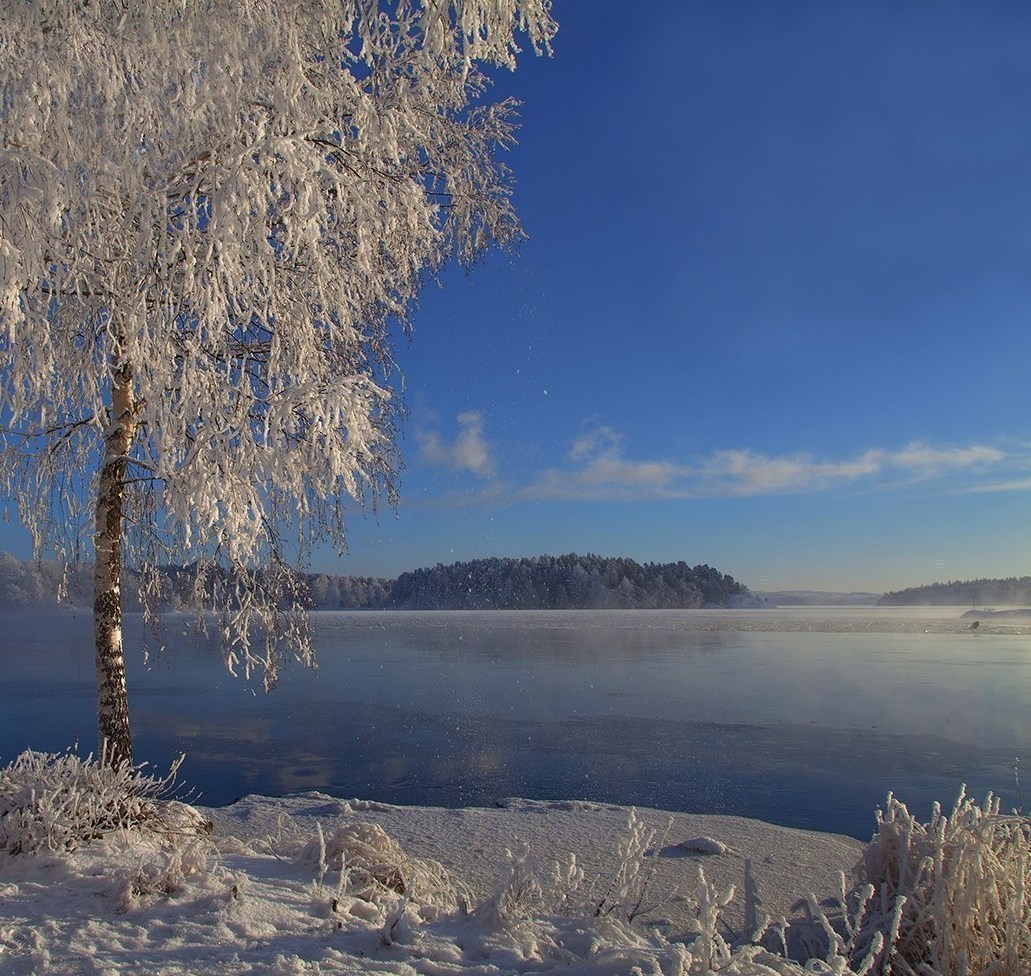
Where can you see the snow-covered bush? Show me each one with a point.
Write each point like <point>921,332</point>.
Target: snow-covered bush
<point>371,867</point>
<point>528,889</point>
<point>550,914</point>
<point>627,893</point>
<point>166,872</point>
<point>57,802</point>
<point>951,897</point>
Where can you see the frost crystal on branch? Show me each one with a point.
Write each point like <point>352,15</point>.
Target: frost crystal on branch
<point>210,213</point>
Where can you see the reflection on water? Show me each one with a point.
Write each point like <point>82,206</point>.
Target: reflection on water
<point>667,709</point>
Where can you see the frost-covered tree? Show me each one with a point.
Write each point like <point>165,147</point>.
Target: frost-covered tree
<point>210,214</point>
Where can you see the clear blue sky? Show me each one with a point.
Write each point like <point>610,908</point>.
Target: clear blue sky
<point>772,315</point>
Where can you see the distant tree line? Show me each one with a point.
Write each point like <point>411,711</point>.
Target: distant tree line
<point>41,582</point>
<point>562,583</point>
<point>31,584</point>
<point>539,583</point>
<point>1012,592</point>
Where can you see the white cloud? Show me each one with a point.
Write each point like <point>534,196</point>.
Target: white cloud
<point>743,472</point>
<point>600,442</point>
<point>468,451</point>
<point>931,460</point>
<point>607,478</point>
<point>1020,484</point>
<point>599,470</point>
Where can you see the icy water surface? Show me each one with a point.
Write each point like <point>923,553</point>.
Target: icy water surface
<point>804,718</point>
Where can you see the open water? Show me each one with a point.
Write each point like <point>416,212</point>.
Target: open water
<point>800,717</point>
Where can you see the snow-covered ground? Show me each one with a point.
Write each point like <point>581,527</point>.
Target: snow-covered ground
<point>263,893</point>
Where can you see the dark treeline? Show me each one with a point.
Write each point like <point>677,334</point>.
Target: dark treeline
<point>563,583</point>
<point>32,583</point>
<point>538,583</point>
<point>1012,592</point>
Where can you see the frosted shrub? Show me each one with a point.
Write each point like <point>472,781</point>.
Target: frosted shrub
<point>951,897</point>
<point>370,866</point>
<point>626,894</point>
<point>550,914</point>
<point>167,872</point>
<point>527,889</point>
<point>709,947</point>
<point>58,802</point>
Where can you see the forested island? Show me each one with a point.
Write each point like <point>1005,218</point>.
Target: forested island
<point>1014,591</point>
<point>566,582</point>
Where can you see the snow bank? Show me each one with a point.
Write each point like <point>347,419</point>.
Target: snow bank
<point>314,884</point>
<point>310,883</point>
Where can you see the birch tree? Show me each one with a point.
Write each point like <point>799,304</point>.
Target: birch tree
<point>211,216</point>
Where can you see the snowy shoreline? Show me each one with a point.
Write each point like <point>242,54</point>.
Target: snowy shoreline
<point>243,900</point>
<point>471,843</point>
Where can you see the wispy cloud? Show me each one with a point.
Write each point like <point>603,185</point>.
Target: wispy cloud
<point>751,473</point>
<point>744,472</point>
<point>599,442</point>
<point>931,461</point>
<point>1020,484</point>
<point>598,468</point>
<point>469,450</point>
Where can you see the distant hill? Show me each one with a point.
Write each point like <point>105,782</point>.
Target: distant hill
<point>564,582</point>
<point>538,583</point>
<point>817,598</point>
<point>32,583</point>
<point>1012,592</point>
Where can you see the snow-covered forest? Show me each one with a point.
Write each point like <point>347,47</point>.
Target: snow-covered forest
<point>564,582</point>
<point>1012,592</point>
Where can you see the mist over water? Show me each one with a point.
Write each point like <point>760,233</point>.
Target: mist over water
<point>800,717</point>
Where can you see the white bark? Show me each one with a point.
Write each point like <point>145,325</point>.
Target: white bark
<point>114,734</point>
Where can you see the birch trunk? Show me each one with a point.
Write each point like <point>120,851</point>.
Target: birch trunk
<point>112,698</point>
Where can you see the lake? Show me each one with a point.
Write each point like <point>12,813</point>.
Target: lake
<point>800,717</point>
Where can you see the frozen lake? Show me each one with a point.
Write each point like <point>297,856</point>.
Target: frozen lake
<point>800,717</point>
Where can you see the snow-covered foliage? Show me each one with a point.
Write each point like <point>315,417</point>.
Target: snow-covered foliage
<point>38,582</point>
<point>210,214</point>
<point>368,865</point>
<point>342,895</point>
<point>628,892</point>
<point>253,907</point>
<point>951,897</point>
<point>539,918</point>
<point>58,802</point>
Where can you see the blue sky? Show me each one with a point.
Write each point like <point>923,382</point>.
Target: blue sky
<point>773,310</point>
<point>772,313</point>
